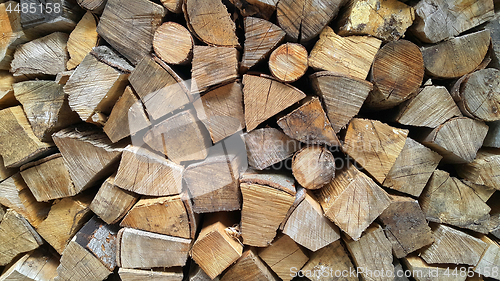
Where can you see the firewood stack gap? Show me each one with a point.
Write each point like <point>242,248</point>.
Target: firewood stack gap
<point>249,140</point>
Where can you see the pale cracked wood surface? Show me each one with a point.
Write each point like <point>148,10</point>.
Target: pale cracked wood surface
<point>288,62</point>
<point>313,167</point>
<point>173,43</point>
<point>36,265</point>
<point>81,40</point>
<point>247,268</point>
<point>332,257</point>
<point>484,170</point>
<point>13,34</point>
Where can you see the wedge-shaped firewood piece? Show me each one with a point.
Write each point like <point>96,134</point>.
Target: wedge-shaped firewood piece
<point>44,20</point>
<point>405,226</point>
<point>489,260</point>
<point>493,137</point>
<point>320,230</point>
<point>44,56</point>
<point>159,87</point>
<point>15,194</point>
<point>88,154</point>
<point>163,215</point>
<point>144,172</point>
<point>431,107</point>
<point>19,143</point>
<point>484,192</point>
<point>266,200</point>
<point>143,274</point>
<point>458,56</point>
<point>447,200</point>
<point>415,164</point>
<point>77,263</point>
<point>484,170</point>
<point>288,63</point>
<point>437,20</point>
<point>457,140</point>
<point>268,146</point>
<point>182,137</point>
<point>81,40</point>
<point>145,250</point>
<point>211,22</point>
<point>397,73</point>
<point>65,218</point>
<point>129,27</point>
<point>223,111</point>
<point>16,236</point>
<point>37,265</point>
<point>248,267</point>
<point>48,178</point>
<point>100,239</point>
<point>332,258</point>
<point>479,95</point>
<point>46,107</point>
<point>94,88</point>
<point>173,43</point>
<point>309,124</point>
<point>264,98</point>
<point>283,255</point>
<point>386,20</point>
<point>374,145</point>
<point>352,201</point>
<point>421,271</point>
<point>214,241</point>
<point>127,117</point>
<point>111,203</point>
<point>343,96</point>
<point>95,6</point>
<point>372,252</point>
<point>214,183</point>
<point>261,37</point>
<point>313,167</point>
<point>213,66</point>
<point>14,35</point>
<point>351,55</point>
<point>303,20</point>
<point>466,250</point>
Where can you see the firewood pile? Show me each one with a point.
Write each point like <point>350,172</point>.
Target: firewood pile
<point>249,140</point>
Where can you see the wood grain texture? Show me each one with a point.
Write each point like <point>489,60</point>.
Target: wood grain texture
<point>453,247</point>
<point>493,137</point>
<point>43,23</point>
<point>174,6</point>
<point>129,27</point>
<point>213,66</point>
<point>43,56</point>
<point>431,107</point>
<point>46,107</point>
<point>248,267</point>
<point>144,250</point>
<point>437,20</point>
<point>48,178</point>
<point>182,137</point>
<point>81,40</point>
<point>268,146</point>
<point>88,154</point>
<point>146,173</point>
<point>308,226</point>
<point>139,274</point>
<point>111,203</point>
<point>161,90</point>
<point>258,8</point>
<point>282,255</point>
<point>342,95</point>
<point>351,55</point>
<point>484,169</point>
<point>405,226</point>
<point>211,23</point>
<point>415,164</point>
<point>7,98</point>
<point>397,73</point>
<point>323,261</point>
<point>288,62</point>
<point>374,145</point>
<point>173,43</point>
<point>456,57</point>
<point>264,98</point>
<point>16,236</point>
<point>10,23</point>
<point>372,252</point>
<point>15,130</point>
<point>426,272</point>
<point>261,38</point>
<point>386,19</point>
<point>197,274</point>
<point>266,200</point>
<point>313,167</point>
<point>303,20</point>
<point>457,140</point>
<point>447,200</point>
<point>489,259</point>
<point>36,265</point>
<point>352,201</point>
<point>95,6</point>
